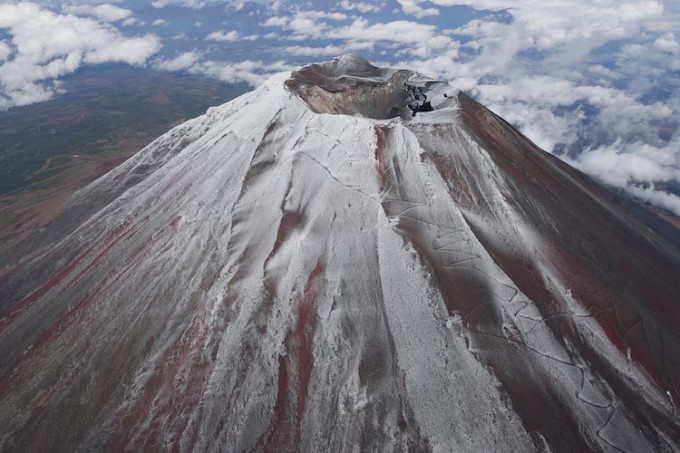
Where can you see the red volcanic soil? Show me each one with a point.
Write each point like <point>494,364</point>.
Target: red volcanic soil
<point>295,370</point>
<point>274,277</point>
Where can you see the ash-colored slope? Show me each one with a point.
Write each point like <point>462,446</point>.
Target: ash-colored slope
<point>297,271</point>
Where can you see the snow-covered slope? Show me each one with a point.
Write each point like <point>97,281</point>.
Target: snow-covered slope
<point>310,267</point>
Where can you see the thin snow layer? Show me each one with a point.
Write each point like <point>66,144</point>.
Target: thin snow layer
<point>271,278</point>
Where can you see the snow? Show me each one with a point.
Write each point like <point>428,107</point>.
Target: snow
<point>267,276</point>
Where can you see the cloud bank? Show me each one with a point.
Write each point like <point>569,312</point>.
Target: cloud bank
<point>33,60</point>
<point>105,12</point>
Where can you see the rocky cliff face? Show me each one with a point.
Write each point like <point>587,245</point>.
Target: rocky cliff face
<point>346,258</point>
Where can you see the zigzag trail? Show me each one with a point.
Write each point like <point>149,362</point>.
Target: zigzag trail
<point>311,267</point>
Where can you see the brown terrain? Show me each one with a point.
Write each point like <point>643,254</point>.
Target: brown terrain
<point>331,263</point>
<point>50,150</point>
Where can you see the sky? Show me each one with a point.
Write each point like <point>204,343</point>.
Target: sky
<point>596,82</point>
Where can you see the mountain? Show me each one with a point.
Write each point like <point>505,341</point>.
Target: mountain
<point>346,258</point>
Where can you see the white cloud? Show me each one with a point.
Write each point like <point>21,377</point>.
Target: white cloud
<point>133,51</point>
<point>105,12</point>
<point>400,31</point>
<point>322,15</point>
<point>249,71</point>
<point>182,62</point>
<point>231,36</point>
<point>362,7</point>
<point>159,22</point>
<point>238,5</point>
<point>220,36</point>
<point>572,29</point>
<point>275,21</point>
<point>667,42</point>
<point>621,165</point>
<point>531,102</point>
<point>329,50</point>
<point>305,26</point>
<point>39,59</point>
<point>5,51</point>
<point>601,70</point>
<point>130,21</point>
<point>638,168</point>
<point>191,4</point>
<point>651,194</point>
<point>275,6</point>
<point>252,72</point>
<point>579,25</point>
<point>413,8</point>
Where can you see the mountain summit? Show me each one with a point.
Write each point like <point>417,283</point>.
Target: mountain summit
<point>347,258</point>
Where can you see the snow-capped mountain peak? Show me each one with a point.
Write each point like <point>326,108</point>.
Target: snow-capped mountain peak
<point>348,257</point>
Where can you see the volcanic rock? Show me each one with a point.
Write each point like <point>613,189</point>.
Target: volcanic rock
<point>347,258</point>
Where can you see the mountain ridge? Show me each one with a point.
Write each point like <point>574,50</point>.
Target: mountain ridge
<point>283,274</point>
